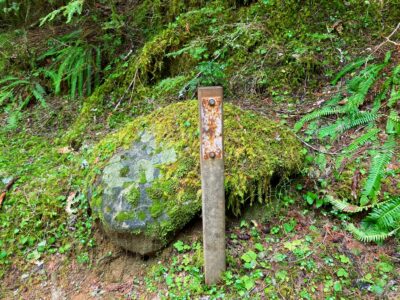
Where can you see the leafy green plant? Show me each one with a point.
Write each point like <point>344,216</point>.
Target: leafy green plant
<point>73,8</point>
<point>16,94</point>
<point>75,64</point>
<point>358,108</point>
<point>181,247</point>
<point>250,259</point>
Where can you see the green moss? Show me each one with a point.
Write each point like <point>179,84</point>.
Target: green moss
<point>96,198</point>
<point>266,52</point>
<point>35,207</point>
<point>124,216</point>
<point>142,179</point>
<point>148,65</point>
<point>124,171</point>
<point>272,55</point>
<point>161,187</point>
<point>126,184</point>
<point>133,195</point>
<point>156,209</point>
<point>141,215</point>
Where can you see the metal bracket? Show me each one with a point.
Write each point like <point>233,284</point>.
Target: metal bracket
<point>211,127</point>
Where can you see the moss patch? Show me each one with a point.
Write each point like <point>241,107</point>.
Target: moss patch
<point>255,150</point>
<point>124,171</point>
<point>254,48</point>
<point>141,215</point>
<point>124,216</point>
<point>157,209</point>
<point>133,195</point>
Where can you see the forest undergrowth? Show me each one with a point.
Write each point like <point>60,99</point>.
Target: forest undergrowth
<point>73,71</point>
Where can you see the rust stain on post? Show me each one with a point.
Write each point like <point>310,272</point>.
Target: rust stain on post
<point>211,130</point>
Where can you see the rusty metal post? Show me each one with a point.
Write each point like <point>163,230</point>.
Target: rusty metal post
<point>212,181</point>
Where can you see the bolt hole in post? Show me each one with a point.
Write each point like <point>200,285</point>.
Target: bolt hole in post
<point>212,181</point>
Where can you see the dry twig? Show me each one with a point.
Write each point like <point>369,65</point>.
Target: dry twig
<point>388,39</point>
<point>315,149</point>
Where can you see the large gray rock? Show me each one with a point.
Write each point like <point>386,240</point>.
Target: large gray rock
<point>126,208</point>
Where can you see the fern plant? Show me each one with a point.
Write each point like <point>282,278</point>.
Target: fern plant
<point>381,223</point>
<point>375,122</point>
<point>75,64</point>
<point>73,8</point>
<point>17,93</point>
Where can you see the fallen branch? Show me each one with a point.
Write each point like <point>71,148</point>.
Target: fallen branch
<point>388,39</point>
<point>131,87</point>
<point>7,188</point>
<point>314,148</point>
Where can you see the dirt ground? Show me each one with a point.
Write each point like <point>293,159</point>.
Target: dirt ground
<point>112,273</point>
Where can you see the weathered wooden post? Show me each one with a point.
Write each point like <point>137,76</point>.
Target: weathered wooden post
<point>212,181</point>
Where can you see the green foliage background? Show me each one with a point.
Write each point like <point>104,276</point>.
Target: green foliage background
<point>73,71</point>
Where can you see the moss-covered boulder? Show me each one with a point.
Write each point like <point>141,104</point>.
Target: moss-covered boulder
<point>150,188</point>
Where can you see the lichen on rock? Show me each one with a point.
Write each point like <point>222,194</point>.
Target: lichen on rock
<point>150,185</point>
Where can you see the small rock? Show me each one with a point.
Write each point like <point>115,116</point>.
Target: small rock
<point>262,255</point>
<point>97,291</point>
<point>266,229</point>
<point>25,276</point>
<point>363,285</point>
<point>244,236</point>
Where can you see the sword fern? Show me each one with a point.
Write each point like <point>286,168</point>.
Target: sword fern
<point>75,65</point>
<point>17,93</point>
<point>358,110</point>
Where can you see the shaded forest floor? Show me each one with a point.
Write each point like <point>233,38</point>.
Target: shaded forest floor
<point>283,250</point>
<point>51,246</point>
<point>303,253</point>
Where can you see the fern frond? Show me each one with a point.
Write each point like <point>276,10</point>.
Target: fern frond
<point>98,67</point>
<point>80,83</point>
<point>74,7</point>
<point>89,79</point>
<point>361,140</point>
<point>394,97</point>
<point>386,215</point>
<point>50,53</point>
<point>396,75</point>
<point>74,65</point>
<point>361,85</point>
<point>51,16</point>
<point>69,10</point>
<point>73,82</point>
<point>5,96</point>
<point>378,99</point>
<point>360,119</point>
<point>393,123</point>
<point>38,92</point>
<point>341,125</point>
<point>334,100</point>
<point>15,83</point>
<point>330,130</point>
<point>349,68</point>
<point>345,206</point>
<point>356,144</point>
<point>377,170</point>
<point>8,78</point>
<point>370,235</point>
<point>66,58</point>
<point>326,111</point>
